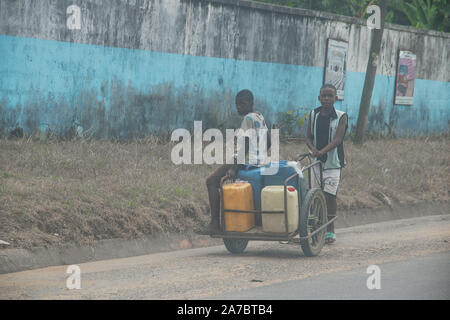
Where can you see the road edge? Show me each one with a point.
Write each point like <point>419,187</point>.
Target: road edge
<point>15,260</point>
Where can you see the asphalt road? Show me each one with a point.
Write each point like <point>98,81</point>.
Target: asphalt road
<point>413,256</point>
<point>425,278</point>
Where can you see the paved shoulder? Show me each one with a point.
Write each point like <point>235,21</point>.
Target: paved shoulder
<point>425,277</point>
<point>208,272</point>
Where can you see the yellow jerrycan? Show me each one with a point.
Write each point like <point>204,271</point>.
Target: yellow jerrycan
<point>238,196</point>
<point>272,199</point>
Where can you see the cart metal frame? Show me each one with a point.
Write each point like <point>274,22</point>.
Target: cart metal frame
<point>265,236</point>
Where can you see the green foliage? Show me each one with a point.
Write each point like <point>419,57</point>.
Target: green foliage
<point>6,174</point>
<point>427,14</point>
<point>291,120</point>
<point>180,191</point>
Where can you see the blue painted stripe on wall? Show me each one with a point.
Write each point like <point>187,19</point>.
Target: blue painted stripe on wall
<point>53,78</point>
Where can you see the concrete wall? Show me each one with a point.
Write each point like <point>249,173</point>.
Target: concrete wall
<point>149,66</point>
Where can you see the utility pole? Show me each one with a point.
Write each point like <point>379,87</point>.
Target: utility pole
<point>369,81</point>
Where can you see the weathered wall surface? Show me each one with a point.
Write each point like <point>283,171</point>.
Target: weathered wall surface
<point>146,66</point>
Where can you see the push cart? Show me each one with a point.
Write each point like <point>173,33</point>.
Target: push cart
<point>310,234</point>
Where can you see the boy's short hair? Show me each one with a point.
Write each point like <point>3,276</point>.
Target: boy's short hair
<point>328,85</point>
<point>245,97</point>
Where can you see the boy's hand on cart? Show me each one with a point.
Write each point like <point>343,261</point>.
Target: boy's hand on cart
<point>317,154</point>
<point>313,151</point>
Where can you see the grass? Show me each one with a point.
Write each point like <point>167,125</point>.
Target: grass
<point>85,190</point>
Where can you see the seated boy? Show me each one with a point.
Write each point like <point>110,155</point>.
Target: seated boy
<point>252,120</point>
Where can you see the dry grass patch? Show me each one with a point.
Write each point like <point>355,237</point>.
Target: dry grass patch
<point>79,191</point>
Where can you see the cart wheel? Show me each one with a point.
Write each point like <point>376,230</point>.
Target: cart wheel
<point>235,245</point>
<point>313,215</point>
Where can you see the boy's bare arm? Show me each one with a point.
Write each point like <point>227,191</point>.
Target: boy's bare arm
<point>337,139</point>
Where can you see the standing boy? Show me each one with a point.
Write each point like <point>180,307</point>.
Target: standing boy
<point>325,138</point>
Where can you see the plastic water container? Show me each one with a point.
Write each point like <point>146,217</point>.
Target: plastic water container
<point>285,170</point>
<point>238,196</point>
<point>272,199</point>
<point>252,175</point>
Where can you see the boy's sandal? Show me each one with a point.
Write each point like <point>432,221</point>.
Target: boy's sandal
<point>330,238</point>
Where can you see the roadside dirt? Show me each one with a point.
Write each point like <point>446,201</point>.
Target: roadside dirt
<point>79,192</point>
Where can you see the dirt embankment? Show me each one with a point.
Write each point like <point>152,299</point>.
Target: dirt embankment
<point>80,191</point>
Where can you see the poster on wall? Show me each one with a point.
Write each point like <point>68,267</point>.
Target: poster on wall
<point>404,81</point>
<point>335,65</point>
